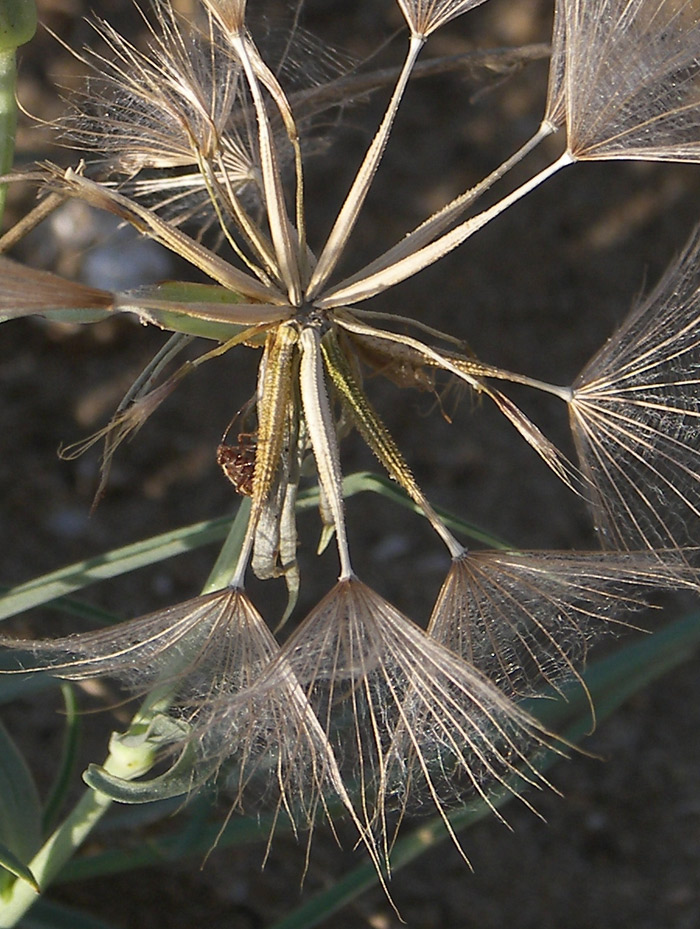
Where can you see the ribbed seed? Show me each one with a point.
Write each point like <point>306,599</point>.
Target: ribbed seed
<point>273,408</point>
<point>375,433</point>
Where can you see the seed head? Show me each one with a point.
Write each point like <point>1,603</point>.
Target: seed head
<point>625,76</point>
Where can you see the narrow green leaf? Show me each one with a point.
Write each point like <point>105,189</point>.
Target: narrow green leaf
<point>180,293</point>
<point>188,292</point>
<point>111,564</point>
<point>62,779</point>
<point>75,607</point>
<point>179,780</point>
<point>13,865</point>
<point>20,808</point>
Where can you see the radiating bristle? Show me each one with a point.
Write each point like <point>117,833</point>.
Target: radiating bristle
<point>425,16</point>
<point>635,416</point>
<point>626,77</point>
<point>160,108</point>
<point>405,719</point>
<point>527,619</point>
<point>197,650</point>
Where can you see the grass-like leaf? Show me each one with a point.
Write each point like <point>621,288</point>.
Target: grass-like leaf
<point>66,767</point>
<point>120,561</point>
<point>111,564</point>
<point>10,863</point>
<point>20,809</point>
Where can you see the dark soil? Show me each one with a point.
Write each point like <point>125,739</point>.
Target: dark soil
<point>538,291</point>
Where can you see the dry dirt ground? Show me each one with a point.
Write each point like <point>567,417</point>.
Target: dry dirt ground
<point>539,291</point>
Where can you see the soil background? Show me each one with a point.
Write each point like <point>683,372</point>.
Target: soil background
<point>538,291</point>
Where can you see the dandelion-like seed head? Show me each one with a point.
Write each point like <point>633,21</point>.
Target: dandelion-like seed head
<point>361,710</point>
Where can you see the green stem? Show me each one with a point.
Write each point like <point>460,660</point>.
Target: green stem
<point>125,760</point>
<point>225,565</point>
<point>8,118</point>
<point>57,850</point>
<point>17,26</point>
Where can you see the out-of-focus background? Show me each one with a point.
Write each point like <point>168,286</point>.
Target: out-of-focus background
<point>538,291</point>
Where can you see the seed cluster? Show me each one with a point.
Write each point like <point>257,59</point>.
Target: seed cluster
<point>360,711</point>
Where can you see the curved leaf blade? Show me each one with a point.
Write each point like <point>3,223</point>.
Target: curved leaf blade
<point>20,807</point>
<point>13,865</point>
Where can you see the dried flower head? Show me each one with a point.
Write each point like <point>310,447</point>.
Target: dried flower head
<point>360,709</point>
<point>527,619</point>
<point>405,718</point>
<point>194,651</point>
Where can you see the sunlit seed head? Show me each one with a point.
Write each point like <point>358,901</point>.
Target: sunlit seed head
<point>213,644</point>
<point>635,416</point>
<point>626,75</point>
<point>527,620</point>
<point>179,103</point>
<point>425,16</point>
<point>399,709</point>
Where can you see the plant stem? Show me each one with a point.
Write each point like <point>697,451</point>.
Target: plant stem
<point>123,761</point>
<point>350,210</point>
<point>17,26</point>
<point>225,565</point>
<point>58,849</point>
<point>8,118</point>
<point>372,284</point>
